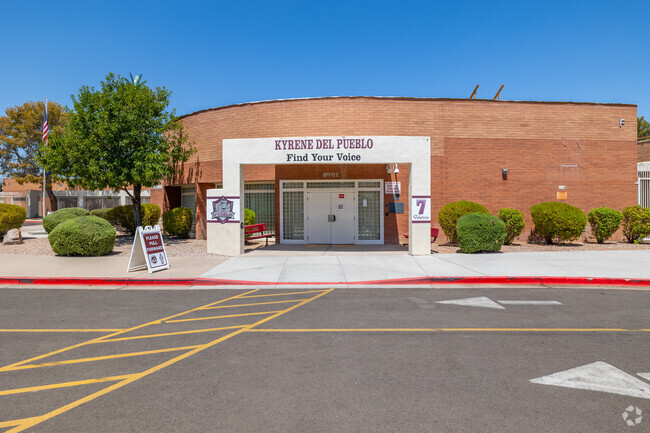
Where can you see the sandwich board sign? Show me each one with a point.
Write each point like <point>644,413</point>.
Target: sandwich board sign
<point>148,250</point>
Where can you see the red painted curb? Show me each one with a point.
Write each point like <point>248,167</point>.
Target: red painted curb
<point>186,282</point>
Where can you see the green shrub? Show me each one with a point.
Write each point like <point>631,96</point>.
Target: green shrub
<point>249,217</point>
<point>178,222</point>
<point>100,212</point>
<point>86,235</point>
<point>514,221</point>
<point>57,217</point>
<point>450,213</point>
<point>479,232</point>
<point>11,217</point>
<point>604,222</point>
<point>122,218</point>
<point>558,222</point>
<point>636,223</point>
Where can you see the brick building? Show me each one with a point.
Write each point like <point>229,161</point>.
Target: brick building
<point>497,153</point>
<point>643,146</point>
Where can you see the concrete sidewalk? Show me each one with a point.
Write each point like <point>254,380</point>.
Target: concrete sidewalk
<point>339,268</point>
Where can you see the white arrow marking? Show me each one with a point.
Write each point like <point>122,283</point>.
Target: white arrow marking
<point>480,301</point>
<point>644,375</point>
<point>598,376</point>
<point>529,302</point>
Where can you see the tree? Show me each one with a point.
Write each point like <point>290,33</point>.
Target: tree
<point>119,137</point>
<point>642,127</point>
<point>21,135</point>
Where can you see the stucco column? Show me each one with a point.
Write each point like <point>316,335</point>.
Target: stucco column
<point>225,235</point>
<point>420,207</point>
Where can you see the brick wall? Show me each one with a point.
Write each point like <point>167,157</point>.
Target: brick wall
<point>543,146</point>
<point>643,150</point>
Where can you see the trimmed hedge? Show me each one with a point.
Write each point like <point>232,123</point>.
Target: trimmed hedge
<point>11,217</point>
<point>86,235</point>
<point>450,213</point>
<point>604,222</point>
<point>514,220</point>
<point>178,222</point>
<point>100,212</point>
<point>123,219</point>
<point>636,223</point>
<point>249,217</point>
<point>558,222</point>
<point>479,232</point>
<point>57,217</point>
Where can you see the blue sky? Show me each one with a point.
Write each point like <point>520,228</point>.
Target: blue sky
<point>217,53</point>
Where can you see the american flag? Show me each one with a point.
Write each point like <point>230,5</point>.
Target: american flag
<point>46,129</point>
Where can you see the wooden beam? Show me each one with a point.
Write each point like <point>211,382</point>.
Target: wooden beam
<point>474,93</point>
<point>498,95</point>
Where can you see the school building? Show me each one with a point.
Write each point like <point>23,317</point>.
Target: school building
<point>368,170</point>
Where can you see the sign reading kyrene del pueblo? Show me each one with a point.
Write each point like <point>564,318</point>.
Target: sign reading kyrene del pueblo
<point>148,250</point>
<point>324,149</point>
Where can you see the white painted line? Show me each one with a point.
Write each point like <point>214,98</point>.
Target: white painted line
<point>529,302</point>
<point>598,376</point>
<point>644,375</point>
<point>480,301</point>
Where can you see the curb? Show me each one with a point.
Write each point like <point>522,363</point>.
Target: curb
<point>414,281</point>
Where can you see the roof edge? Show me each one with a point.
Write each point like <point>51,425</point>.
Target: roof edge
<point>402,98</point>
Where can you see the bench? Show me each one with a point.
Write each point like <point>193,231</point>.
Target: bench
<point>257,228</point>
<point>434,234</point>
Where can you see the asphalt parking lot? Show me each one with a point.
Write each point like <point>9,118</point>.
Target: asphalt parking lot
<point>369,360</point>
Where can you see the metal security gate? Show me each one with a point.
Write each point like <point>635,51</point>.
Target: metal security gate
<point>643,170</point>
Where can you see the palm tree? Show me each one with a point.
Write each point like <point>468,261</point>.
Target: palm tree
<point>135,81</point>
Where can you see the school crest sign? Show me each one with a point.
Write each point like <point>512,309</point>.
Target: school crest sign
<point>223,209</point>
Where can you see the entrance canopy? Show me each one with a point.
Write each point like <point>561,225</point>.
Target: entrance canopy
<point>225,209</point>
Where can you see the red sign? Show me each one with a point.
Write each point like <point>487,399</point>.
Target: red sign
<point>154,250</point>
<point>341,195</point>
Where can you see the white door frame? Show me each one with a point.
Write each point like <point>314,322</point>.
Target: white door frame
<point>356,189</point>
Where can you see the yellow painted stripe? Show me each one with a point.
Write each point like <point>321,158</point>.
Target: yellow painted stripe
<point>451,330</point>
<point>95,340</point>
<point>16,422</point>
<point>196,331</point>
<point>248,305</point>
<point>63,385</point>
<point>284,294</point>
<point>61,330</point>
<point>221,317</point>
<point>33,421</point>
<point>102,358</point>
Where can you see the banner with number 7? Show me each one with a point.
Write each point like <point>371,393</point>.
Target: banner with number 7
<point>421,209</point>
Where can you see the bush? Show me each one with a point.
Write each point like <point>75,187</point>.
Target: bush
<point>249,217</point>
<point>100,212</point>
<point>514,221</point>
<point>558,222</point>
<point>122,218</point>
<point>57,217</point>
<point>450,213</point>
<point>11,217</point>
<point>86,235</point>
<point>178,222</point>
<point>604,222</point>
<point>479,232</point>
<point>636,223</point>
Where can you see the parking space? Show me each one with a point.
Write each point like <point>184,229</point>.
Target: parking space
<point>324,360</point>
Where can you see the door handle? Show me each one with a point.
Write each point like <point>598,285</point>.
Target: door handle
<point>333,218</point>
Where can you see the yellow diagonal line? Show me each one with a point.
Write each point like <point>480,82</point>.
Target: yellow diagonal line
<point>61,330</point>
<point>221,317</point>
<point>33,421</point>
<point>63,385</point>
<point>248,305</point>
<point>281,294</point>
<point>16,422</point>
<point>102,358</point>
<point>155,322</point>
<point>196,331</point>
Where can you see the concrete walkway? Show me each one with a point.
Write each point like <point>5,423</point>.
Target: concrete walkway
<point>344,268</point>
<point>335,267</point>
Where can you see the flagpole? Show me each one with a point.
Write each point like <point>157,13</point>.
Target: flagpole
<point>44,165</point>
